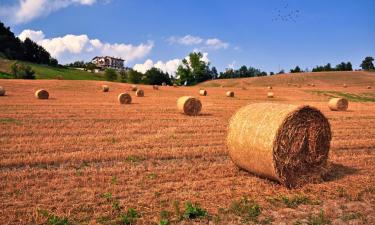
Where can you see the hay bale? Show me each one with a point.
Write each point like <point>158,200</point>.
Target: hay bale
<point>203,92</point>
<point>312,85</point>
<point>42,94</point>
<point>164,84</point>
<point>338,104</point>
<point>230,94</point>
<point>369,87</point>
<point>140,93</point>
<point>124,98</point>
<point>175,85</point>
<point>189,105</point>
<point>2,91</point>
<point>344,86</point>
<point>134,88</point>
<point>269,87</point>
<point>270,95</point>
<point>105,88</point>
<point>155,87</point>
<point>282,142</point>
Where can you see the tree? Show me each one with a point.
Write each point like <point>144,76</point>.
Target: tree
<point>21,71</point>
<point>123,76</point>
<point>281,72</point>
<point>296,70</point>
<point>272,73</point>
<point>193,70</point>
<point>90,66</point>
<point>156,76</point>
<point>134,76</point>
<point>110,74</point>
<point>214,73</point>
<point>367,63</point>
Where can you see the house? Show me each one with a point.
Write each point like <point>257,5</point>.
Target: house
<point>104,62</point>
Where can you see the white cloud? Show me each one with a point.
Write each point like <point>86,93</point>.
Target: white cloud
<point>26,10</point>
<point>232,65</point>
<point>216,43</point>
<point>210,43</point>
<point>170,66</point>
<point>78,45</point>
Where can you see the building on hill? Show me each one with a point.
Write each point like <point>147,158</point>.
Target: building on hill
<point>104,62</point>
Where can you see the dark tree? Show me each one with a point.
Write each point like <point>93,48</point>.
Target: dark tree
<point>110,74</point>
<point>367,63</point>
<point>156,76</point>
<point>296,70</point>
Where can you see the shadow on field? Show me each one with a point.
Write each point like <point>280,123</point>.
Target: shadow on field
<point>205,114</point>
<point>338,171</point>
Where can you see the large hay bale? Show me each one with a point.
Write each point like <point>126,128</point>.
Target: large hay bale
<point>338,104</point>
<point>270,95</point>
<point>124,98</point>
<point>203,92</point>
<point>42,94</point>
<point>105,88</point>
<point>155,87</point>
<point>134,88</point>
<point>282,142</point>
<point>2,91</point>
<point>230,94</point>
<point>189,105</point>
<point>140,93</point>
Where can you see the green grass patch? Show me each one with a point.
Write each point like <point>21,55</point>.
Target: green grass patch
<point>362,97</point>
<point>9,121</point>
<point>292,201</point>
<point>246,209</point>
<point>193,211</point>
<point>53,219</point>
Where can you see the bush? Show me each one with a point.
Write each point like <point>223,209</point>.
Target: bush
<point>110,74</point>
<point>21,71</point>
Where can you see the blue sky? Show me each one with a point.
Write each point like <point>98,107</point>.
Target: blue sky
<point>230,33</point>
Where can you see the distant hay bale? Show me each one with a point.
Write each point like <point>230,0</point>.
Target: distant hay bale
<point>269,87</point>
<point>270,95</point>
<point>155,87</point>
<point>203,92</point>
<point>164,84</point>
<point>338,104</point>
<point>124,98</point>
<point>369,87</point>
<point>230,94</point>
<point>42,94</point>
<point>282,142</point>
<point>189,105</point>
<point>312,85</point>
<point>105,88</point>
<point>2,91</point>
<point>175,85</point>
<point>345,85</point>
<point>243,88</point>
<point>140,93</point>
<point>134,88</point>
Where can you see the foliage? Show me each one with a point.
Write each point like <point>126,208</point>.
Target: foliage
<point>193,211</point>
<point>243,71</point>
<point>248,210</point>
<point>134,77</point>
<point>319,219</point>
<point>129,217</point>
<point>194,70</point>
<point>155,76</point>
<point>110,74</point>
<point>22,71</point>
<point>296,70</point>
<point>340,67</point>
<point>13,48</point>
<point>53,219</point>
<point>367,63</point>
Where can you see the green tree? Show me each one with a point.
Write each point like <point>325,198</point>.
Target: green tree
<point>123,76</point>
<point>110,74</point>
<point>296,70</point>
<point>134,76</point>
<point>90,66</point>
<point>194,70</point>
<point>156,76</point>
<point>367,63</point>
<point>21,71</point>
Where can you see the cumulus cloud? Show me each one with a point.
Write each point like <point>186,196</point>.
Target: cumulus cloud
<point>210,43</point>
<point>170,66</point>
<point>75,45</point>
<point>26,10</point>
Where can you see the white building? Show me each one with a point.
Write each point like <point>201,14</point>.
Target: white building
<point>104,62</point>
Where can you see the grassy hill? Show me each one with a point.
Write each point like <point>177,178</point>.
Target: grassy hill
<point>48,72</point>
<point>352,78</point>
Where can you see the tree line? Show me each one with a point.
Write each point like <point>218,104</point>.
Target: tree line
<point>11,47</point>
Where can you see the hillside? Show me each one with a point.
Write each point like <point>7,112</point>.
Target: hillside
<point>48,72</point>
<point>352,78</point>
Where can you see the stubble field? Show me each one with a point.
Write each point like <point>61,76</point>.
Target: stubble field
<point>83,158</point>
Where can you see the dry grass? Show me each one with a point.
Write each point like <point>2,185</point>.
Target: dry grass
<point>62,155</point>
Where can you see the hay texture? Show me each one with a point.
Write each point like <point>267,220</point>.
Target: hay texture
<point>269,87</point>
<point>369,87</point>
<point>155,87</point>
<point>105,88</point>
<point>270,95</point>
<point>344,85</point>
<point>203,92</point>
<point>338,104</point>
<point>175,85</point>
<point>230,94</point>
<point>134,88</point>
<point>189,105</point>
<point>41,94</point>
<point>140,93</point>
<point>2,91</point>
<point>282,142</point>
<point>124,98</point>
<point>164,84</point>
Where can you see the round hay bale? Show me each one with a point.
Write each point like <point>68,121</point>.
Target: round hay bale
<point>124,98</point>
<point>269,87</point>
<point>369,87</point>
<point>344,85</point>
<point>189,105</point>
<point>270,95</point>
<point>282,142</point>
<point>312,85</point>
<point>134,88</point>
<point>42,94</point>
<point>338,104</point>
<point>155,87</point>
<point>105,88</point>
<point>164,84</point>
<point>140,93</point>
<point>230,94</point>
<point>175,85</point>
<point>203,92</point>
<point>2,91</point>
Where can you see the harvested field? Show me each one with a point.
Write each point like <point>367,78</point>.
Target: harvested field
<point>84,157</point>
